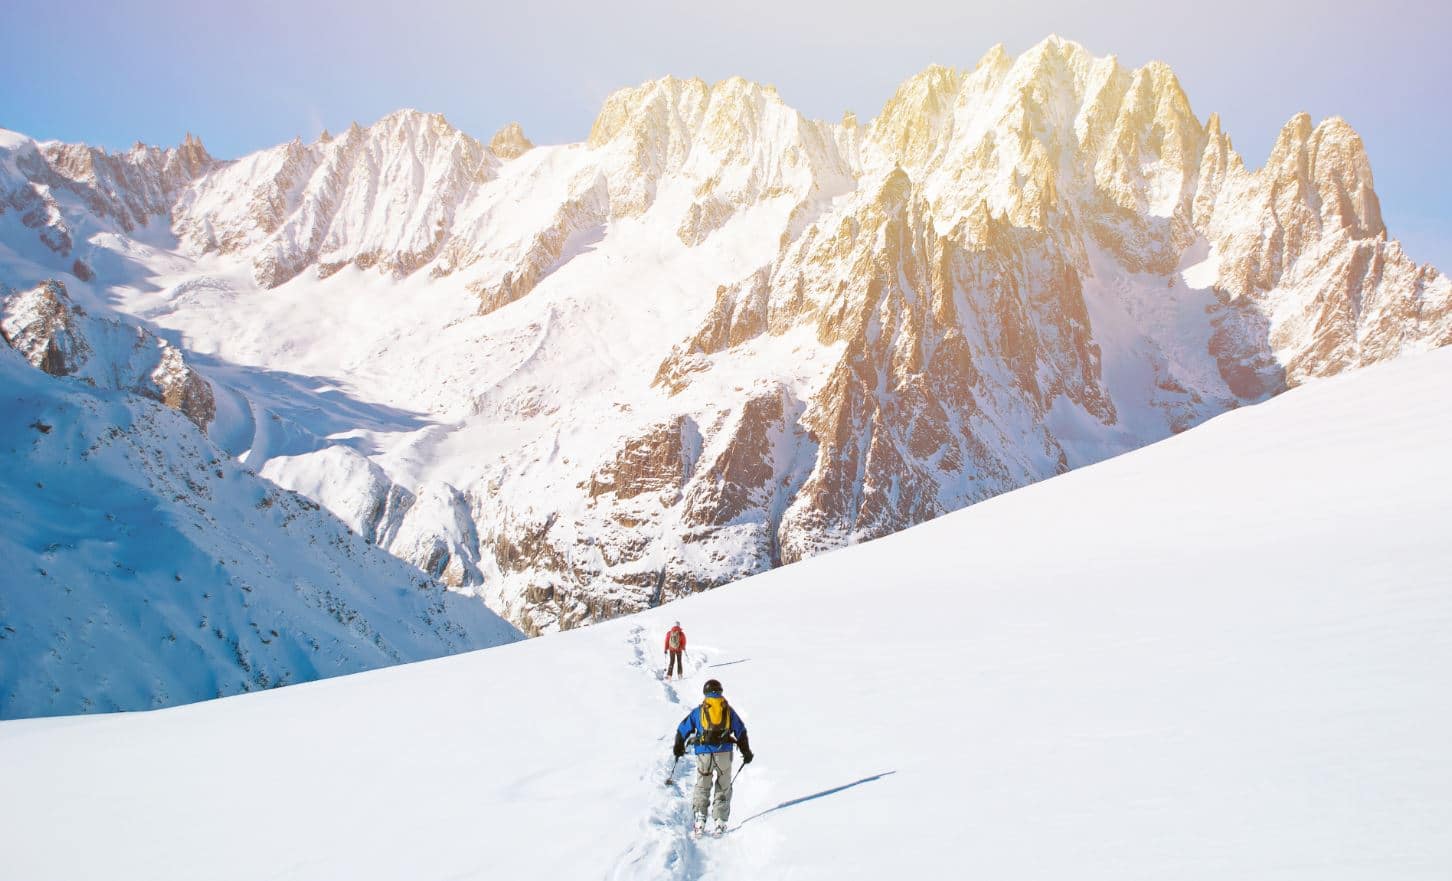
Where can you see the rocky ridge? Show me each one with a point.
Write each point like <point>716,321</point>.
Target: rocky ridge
<point>59,337</point>
<point>145,568</point>
<point>1013,270</point>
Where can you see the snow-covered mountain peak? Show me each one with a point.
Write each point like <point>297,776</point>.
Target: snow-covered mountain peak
<point>668,107</point>
<point>670,118</point>
<point>995,59</point>
<point>917,120</point>
<point>1326,168</point>
<point>382,196</point>
<point>718,335</point>
<point>63,192</point>
<point>410,125</point>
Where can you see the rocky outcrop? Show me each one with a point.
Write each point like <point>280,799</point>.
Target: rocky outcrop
<point>657,461</point>
<point>662,492</point>
<point>936,401</point>
<point>1301,245</point>
<point>61,338</point>
<point>121,191</point>
<point>135,187</point>
<point>733,510</point>
<point>182,388</point>
<point>738,315</point>
<point>509,142</point>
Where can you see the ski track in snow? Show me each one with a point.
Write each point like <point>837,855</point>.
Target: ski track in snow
<point>664,849</point>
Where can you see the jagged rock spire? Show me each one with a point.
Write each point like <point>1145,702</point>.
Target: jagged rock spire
<point>509,142</point>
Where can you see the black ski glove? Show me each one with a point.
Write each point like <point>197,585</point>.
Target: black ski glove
<point>680,747</point>
<point>746,754</point>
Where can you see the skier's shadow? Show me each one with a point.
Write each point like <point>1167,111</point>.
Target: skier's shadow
<point>824,793</point>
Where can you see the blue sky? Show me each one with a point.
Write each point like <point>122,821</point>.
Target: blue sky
<point>249,75</point>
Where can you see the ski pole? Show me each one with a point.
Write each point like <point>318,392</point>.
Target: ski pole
<point>738,773</point>
<point>671,777</point>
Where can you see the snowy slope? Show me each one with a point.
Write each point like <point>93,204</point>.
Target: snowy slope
<point>1231,661</point>
<point>145,568</point>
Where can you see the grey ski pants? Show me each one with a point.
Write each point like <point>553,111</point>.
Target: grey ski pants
<point>710,765</point>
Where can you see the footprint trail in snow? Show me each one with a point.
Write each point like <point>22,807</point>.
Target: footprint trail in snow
<point>664,849</point>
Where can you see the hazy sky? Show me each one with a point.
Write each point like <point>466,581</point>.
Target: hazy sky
<point>248,75</point>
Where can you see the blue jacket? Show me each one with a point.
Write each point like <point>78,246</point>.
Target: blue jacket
<point>692,725</point>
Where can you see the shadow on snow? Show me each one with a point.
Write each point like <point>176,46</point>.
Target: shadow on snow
<point>816,795</point>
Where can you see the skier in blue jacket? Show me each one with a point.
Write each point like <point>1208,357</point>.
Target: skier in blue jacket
<point>713,729</point>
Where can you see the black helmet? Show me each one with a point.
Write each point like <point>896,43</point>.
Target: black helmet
<point>712,687</point>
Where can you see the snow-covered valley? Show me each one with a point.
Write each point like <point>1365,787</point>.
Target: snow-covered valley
<point>1226,655</point>
<point>350,402</point>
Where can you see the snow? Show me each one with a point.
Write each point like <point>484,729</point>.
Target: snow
<point>342,336</point>
<point>1231,659</point>
<point>143,568</point>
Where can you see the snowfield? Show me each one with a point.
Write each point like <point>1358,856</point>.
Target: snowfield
<point>1227,655</point>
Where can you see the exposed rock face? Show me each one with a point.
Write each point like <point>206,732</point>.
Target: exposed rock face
<point>1003,296</point>
<point>134,187</point>
<point>658,461</point>
<point>734,507</point>
<point>738,315</point>
<point>728,337</point>
<point>723,500</point>
<point>38,325</point>
<point>912,406</point>
<point>339,202</point>
<point>1302,243</point>
<point>182,388</point>
<point>59,337</point>
<point>509,142</point>
<point>124,190</point>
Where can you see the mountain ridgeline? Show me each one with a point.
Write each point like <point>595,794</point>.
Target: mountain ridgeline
<point>717,336</point>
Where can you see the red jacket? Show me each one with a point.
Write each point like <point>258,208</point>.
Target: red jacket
<point>668,639</point>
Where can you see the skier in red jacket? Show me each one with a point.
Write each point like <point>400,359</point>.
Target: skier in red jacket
<point>675,646</point>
